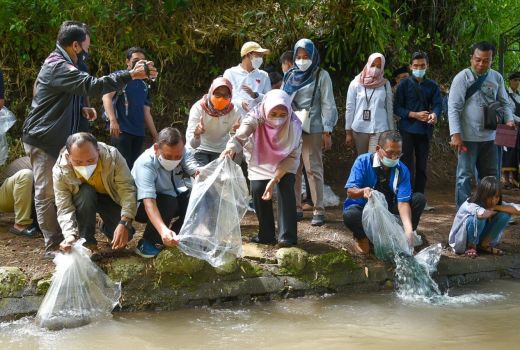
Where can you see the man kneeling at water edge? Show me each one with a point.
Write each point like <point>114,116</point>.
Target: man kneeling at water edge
<point>384,172</point>
<point>91,177</point>
<point>161,191</point>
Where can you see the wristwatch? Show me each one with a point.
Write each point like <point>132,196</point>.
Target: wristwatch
<point>127,224</point>
<point>256,95</point>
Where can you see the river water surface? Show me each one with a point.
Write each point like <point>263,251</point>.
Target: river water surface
<point>484,316</point>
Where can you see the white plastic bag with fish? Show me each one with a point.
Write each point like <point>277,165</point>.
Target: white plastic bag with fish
<point>80,292</point>
<point>7,120</point>
<point>218,201</point>
<point>382,228</point>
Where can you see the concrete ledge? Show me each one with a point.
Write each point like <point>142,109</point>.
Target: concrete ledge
<point>151,286</point>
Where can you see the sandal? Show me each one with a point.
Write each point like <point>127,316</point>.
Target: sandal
<point>471,253</point>
<point>491,250</point>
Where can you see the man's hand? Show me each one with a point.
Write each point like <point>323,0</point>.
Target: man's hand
<point>67,243</point>
<point>432,118</point>
<point>326,143</point>
<point>367,192</point>
<point>268,193</point>
<point>511,124</point>
<point>409,239</point>
<point>422,116</point>
<point>349,138</point>
<point>248,90</point>
<point>199,129</point>
<point>89,113</point>
<point>144,70</point>
<point>115,131</point>
<point>120,237</point>
<point>457,144</point>
<point>169,238</point>
<point>245,106</point>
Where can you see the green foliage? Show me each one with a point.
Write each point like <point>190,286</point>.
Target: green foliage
<point>192,42</point>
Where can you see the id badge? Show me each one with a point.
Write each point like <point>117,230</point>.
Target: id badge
<point>366,115</point>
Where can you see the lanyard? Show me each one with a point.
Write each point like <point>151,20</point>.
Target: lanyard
<point>367,98</point>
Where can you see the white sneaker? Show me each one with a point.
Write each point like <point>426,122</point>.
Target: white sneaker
<point>428,208</point>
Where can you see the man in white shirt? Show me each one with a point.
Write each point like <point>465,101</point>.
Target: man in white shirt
<point>249,82</point>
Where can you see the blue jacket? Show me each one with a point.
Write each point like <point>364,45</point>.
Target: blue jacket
<point>407,99</point>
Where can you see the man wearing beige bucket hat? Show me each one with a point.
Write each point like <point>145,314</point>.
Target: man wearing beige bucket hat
<point>249,82</point>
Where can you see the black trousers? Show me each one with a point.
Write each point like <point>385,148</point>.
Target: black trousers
<point>352,217</point>
<point>169,207</point>
<point>88,202</point>
<point>418,144</point>
<point>287,226</point>
<point>130,147</point>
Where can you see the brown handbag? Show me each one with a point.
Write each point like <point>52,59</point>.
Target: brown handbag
<point>506,136</point>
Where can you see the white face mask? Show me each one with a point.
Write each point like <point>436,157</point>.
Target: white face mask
<point>168,164</point>
<point>374,71</point>
<point>256,62</point>
<point>277,122</point>
<point>303,64</point>
<point>85,171</point>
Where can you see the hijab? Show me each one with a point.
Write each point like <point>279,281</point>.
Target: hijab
<point>205,102</point>
<point>295,78</point>
<point>366,79</point>
<point>273,144</point>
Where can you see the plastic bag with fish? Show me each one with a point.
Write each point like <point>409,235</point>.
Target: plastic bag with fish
<point>7,120</point>
<point>80,292</point>
<point>218,201</point>
<point>383,229</point>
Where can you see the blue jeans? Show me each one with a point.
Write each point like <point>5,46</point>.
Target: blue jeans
<point>492,228</point>
<point>480,156</point>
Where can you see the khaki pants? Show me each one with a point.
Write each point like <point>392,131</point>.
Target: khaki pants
<point>312,159</point>
<point>16,195</point>
<point>42,164</point>
<point>365,142</point>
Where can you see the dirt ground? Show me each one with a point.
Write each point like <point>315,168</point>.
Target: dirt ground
<point>435,226</point>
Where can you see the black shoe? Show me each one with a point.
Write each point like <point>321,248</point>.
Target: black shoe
<point>285,244</point>
<point>30,232</point>
<point>258,241</point>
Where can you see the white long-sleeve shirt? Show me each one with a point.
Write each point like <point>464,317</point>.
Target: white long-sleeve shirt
<point>217,129</point>
<point>380,106</point>
<point>257,80</point>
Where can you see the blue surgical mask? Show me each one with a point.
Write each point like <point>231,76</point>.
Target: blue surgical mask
<point>419,73</point>
<point>389,163</point>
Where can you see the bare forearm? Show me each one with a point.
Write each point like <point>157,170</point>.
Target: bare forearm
<point>405,212</point>
<point>148,120</point>
<point>150,206</point>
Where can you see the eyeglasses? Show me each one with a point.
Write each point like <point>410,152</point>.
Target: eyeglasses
<point>392,155</point>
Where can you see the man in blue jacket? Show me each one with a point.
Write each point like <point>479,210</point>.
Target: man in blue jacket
<point>418,103</point>
<point>56,111</point>
<point>382,171</point>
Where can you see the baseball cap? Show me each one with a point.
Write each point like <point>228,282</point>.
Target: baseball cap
<point>252,46</point>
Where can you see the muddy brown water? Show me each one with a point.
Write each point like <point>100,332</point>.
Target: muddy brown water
<point>483,316</point>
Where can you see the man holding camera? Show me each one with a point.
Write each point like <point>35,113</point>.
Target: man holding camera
<point>56,111</point>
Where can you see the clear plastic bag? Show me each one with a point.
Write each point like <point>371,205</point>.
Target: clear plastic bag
<point>382,228</point>
<point>413,274</point>
<point>7,120</point>
<point>218,201</point>
<point>80,292</point>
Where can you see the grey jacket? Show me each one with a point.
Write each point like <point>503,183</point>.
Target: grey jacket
<point>324,114</point>
<point>55,110</point>
<point>467,117</point>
